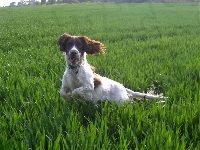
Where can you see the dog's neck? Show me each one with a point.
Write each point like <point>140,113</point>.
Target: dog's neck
<point>75,68</point>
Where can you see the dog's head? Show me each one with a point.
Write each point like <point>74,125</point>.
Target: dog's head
<point>76,46</point>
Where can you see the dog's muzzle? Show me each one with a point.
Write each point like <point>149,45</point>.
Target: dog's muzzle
<point>73,56</point>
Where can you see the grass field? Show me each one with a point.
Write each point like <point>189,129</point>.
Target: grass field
<point>149,45</point>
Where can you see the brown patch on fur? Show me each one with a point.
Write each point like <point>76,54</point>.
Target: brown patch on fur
<point>88,45</point>
<point>97,81</point>
<point>62,40</point>
<point>93,47</point>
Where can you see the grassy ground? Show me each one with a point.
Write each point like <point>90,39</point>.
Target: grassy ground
<point>149,45</point>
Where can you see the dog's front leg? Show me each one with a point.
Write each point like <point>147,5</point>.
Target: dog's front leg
<point>83,92</point>
<point>65,93</point>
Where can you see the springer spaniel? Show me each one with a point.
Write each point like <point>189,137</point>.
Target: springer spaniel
<point>81,81</point>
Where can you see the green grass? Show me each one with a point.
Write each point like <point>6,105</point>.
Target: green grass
<point>147,44</point>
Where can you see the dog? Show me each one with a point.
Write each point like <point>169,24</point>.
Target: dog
<point>80,80</point>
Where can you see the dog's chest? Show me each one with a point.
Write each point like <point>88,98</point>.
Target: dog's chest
<point>73,80</point>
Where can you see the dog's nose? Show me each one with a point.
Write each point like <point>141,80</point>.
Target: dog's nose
<point>73,52</point>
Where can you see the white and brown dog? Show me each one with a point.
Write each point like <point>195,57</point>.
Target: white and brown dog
<point>79,79</point>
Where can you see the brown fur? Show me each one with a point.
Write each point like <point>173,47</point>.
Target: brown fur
<point>94,47</point>
<point>97,81</point>
<point>89,46</point>
<point>62,40</point>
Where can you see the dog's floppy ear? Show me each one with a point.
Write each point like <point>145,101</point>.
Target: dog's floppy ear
<point>62,41</point>
<point>92,46</point>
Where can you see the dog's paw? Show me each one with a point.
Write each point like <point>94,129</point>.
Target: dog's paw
<point>66,96</point>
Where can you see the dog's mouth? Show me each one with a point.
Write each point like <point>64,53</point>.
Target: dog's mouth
<point>73,60</point>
